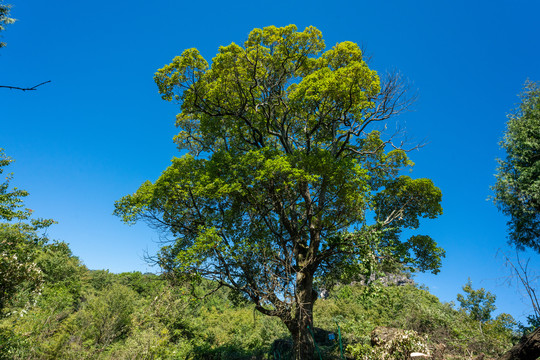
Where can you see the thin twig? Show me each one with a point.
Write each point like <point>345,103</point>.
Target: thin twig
<point>24,89</point>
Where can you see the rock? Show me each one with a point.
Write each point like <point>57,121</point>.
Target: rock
<point>387,279</point>
<point>324,294</point>
<point>527,348</point>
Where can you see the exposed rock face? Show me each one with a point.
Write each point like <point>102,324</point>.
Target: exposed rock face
<point>324,294</point>
<point>387,279</point>
<point>527,348</point>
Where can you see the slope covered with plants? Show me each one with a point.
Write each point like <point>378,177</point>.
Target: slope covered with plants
<point>94,314</point>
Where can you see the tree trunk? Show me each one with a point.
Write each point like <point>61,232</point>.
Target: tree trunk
<point>527,348</point>
<point>303,345</point>
<point>300,325</point>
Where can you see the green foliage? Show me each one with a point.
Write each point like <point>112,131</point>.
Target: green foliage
<point>20,277</point>
<point>399,347</point>
<point>133,315</point>
<point>517,191</point>
<point>533,323</point>
<point>60,268</point>
<point>361,309</point>
<point>284,164</point>
<point>20,245</point>
<point>106,316</point>
<point>5,19</point>
<point>478,303</point>
<point>11,201</point>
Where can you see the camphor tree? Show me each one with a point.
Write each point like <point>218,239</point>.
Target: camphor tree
<point>517,191</point>
<point>284,164</point>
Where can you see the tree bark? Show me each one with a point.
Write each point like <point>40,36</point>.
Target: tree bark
<point>300,325</point>
<point>303,345</point>
<point>527,348</point>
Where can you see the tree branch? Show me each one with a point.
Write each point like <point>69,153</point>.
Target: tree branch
<point>24,89</point>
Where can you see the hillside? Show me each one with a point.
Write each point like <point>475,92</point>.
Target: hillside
<point>93,314</point>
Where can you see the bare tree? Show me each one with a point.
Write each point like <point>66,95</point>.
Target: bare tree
<point>529,345</point>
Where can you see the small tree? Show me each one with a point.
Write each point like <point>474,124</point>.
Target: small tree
<point>517,190</point>
<point>284,164</point>
<point>478,303</point>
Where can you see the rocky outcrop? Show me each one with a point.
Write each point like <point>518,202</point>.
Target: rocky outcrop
<point>527,348</point>
<point>387,279</point>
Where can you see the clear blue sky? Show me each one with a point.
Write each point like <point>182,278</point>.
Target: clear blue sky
<point>100,128</point>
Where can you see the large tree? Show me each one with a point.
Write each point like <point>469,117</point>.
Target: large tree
<point>517,191</point>
<point>284,163</point>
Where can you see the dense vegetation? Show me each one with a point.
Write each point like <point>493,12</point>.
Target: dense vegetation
<point>53,307</point>
<point>517,191</point>
<point>85,314</point>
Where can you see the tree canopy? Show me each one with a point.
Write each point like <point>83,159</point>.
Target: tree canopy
<point>288,176</point>
<point>517,190</point>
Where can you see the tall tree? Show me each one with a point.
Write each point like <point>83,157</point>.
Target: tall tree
<point>517,190</point>
<point>284,164</point>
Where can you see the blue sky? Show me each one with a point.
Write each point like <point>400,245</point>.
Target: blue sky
<point>100,129</point>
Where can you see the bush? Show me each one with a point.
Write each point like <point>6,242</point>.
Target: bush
<point>395,345</point>
<point>106,317</point>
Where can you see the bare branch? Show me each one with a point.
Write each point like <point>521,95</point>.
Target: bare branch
<point>24,89</point>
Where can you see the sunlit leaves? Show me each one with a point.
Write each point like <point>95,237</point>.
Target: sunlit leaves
<point>283,169</point>
<point>517,191</point>
<point>478,303</point>
<point>11,203</point>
